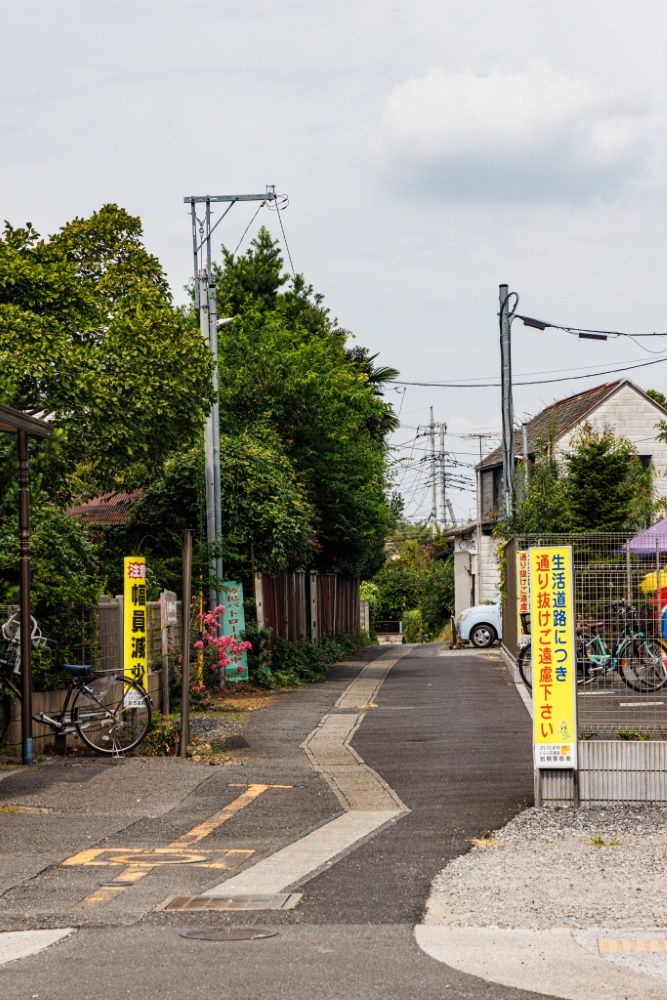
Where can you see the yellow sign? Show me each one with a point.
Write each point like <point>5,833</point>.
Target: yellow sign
<point>522,590</point>
<point>554,658</point>
<point>135,634</point>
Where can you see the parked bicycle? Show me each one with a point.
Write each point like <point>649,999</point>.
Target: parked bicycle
<point>638,659</point>
<point>107,710</point>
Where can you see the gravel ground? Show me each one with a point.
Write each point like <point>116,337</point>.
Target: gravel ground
<point>604,867</point>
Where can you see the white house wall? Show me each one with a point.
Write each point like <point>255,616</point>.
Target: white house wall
<point>630,415</point>
<point>489,570</point>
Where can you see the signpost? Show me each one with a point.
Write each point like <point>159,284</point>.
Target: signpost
<point>233,623</point>
<point>135,633</point>
<point>554,658</point>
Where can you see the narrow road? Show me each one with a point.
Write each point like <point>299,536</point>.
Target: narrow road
<point>103,848</point>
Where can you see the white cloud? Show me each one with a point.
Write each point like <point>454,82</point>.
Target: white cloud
<point>534,133</point>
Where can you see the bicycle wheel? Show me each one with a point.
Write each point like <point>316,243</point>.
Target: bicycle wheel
<point>525,664</point>
<point>111,714</point>
<point>642,665</point>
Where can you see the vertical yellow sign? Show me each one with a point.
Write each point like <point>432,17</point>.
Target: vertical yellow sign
<point>522,589</point>
<point>554,658</point>
<point>135,637</point>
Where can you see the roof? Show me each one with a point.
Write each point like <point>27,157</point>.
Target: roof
<point>109,509</point>
<point>560,417</point>
<point>12,421</point>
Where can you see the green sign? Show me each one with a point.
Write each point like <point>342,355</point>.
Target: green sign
<point>233,623</point>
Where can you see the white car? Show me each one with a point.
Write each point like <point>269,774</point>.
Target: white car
<point>481,625</point>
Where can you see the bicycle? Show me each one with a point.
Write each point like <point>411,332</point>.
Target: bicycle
<point>638,659</point>
<point>109,712</point>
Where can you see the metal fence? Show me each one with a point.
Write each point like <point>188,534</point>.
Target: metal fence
<point>620,590</point>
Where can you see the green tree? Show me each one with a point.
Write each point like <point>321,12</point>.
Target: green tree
<point>88,331</point>
<point>284,364</point>
<point>606,487</point>
<point>599,485</point>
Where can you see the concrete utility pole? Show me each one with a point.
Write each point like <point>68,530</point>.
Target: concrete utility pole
<point>206,302</point>
<point>507,405</point>
<point>445,502</point>
<point>434,493</point>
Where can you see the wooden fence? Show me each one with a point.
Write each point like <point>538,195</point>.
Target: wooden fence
<point>307,605</point>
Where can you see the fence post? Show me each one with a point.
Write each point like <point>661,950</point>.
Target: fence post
<point>168,617</point>
<point>120,600</point>
<point>185,680</point>
<point>314,623</point>
<point>259,600</point>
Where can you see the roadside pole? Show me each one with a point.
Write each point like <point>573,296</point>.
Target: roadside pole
<point>185,680</point>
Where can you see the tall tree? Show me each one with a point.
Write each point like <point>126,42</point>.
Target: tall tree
<point>284,364</point>
<point>88,331</point>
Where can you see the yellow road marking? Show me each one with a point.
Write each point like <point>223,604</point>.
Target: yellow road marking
<point>609,945</point>
<point>173,853</point>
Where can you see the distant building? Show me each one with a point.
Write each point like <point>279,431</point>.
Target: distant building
<point>621,406</point>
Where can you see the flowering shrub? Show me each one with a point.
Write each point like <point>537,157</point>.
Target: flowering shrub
<point>218,652</point>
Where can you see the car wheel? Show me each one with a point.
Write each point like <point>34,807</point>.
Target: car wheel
<point>483,636</point>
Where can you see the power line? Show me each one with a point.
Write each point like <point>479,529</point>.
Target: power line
<point>247,228</point>
<point>541,381</point>
<point>285,203</point>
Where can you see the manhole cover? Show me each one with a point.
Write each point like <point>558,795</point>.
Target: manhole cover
<point>228,934</point>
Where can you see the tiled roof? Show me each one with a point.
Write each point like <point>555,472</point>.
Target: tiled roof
<point>557,419</point>
<point>109,509</point>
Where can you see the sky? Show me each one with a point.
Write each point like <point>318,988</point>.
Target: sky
<point>430,151</point>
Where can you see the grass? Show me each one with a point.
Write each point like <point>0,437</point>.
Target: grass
<point>598,841</point>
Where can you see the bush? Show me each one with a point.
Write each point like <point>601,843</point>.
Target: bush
<point>305,662</point>
<point>414,629</point>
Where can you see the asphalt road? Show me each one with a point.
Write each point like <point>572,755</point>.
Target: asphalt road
<point>447,733</point>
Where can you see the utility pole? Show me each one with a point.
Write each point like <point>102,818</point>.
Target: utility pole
<point>206,302</point>
<point>507,405</point>
<point>445,502</point>
<point>434,494</point>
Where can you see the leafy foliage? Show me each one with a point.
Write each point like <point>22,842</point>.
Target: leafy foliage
<point>419,580</point>
<point>87,330</point>
<point>599,486</point>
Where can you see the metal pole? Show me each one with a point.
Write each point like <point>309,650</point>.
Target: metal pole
<point>215,421</point>
<point>25,637</point>
<point>209,464</point>
<point>443,478</point>
<point>507,407</point>
<point>478,532</point>
<point>185,677</point>
<point>434,495</point>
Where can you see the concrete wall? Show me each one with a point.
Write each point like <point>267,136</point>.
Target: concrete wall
<point>463,580</point>
<point>630,415</point>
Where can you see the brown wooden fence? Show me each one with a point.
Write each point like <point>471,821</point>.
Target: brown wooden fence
<point>307,605</point>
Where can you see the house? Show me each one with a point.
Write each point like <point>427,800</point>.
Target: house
<point>621,406</point>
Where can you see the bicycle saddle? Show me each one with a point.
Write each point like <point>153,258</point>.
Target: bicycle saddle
<point>77,669</point>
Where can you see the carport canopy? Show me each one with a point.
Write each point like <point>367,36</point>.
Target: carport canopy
<point>24,426</point>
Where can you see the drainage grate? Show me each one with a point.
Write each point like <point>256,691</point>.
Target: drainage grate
<point>279,901</point>
<point>228,934</point>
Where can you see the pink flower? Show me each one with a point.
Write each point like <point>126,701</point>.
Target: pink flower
<point>199,644</point>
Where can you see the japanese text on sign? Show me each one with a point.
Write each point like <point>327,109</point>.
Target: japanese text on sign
<point>522,589</point>
<point>233,623</point>
<point>135,636</point>
<point>554,659</point>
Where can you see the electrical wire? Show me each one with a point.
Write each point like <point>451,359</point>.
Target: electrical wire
<point>541,381</point>
<point>261,206</point>
<point>583,329</point>
<point>282,202</point>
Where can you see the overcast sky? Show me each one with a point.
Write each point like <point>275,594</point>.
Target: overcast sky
<point>430,150</point>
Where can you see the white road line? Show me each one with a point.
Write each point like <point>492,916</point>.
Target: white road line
<point>300,860</point>
<point>367,799</point>
<point>21,944</point>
